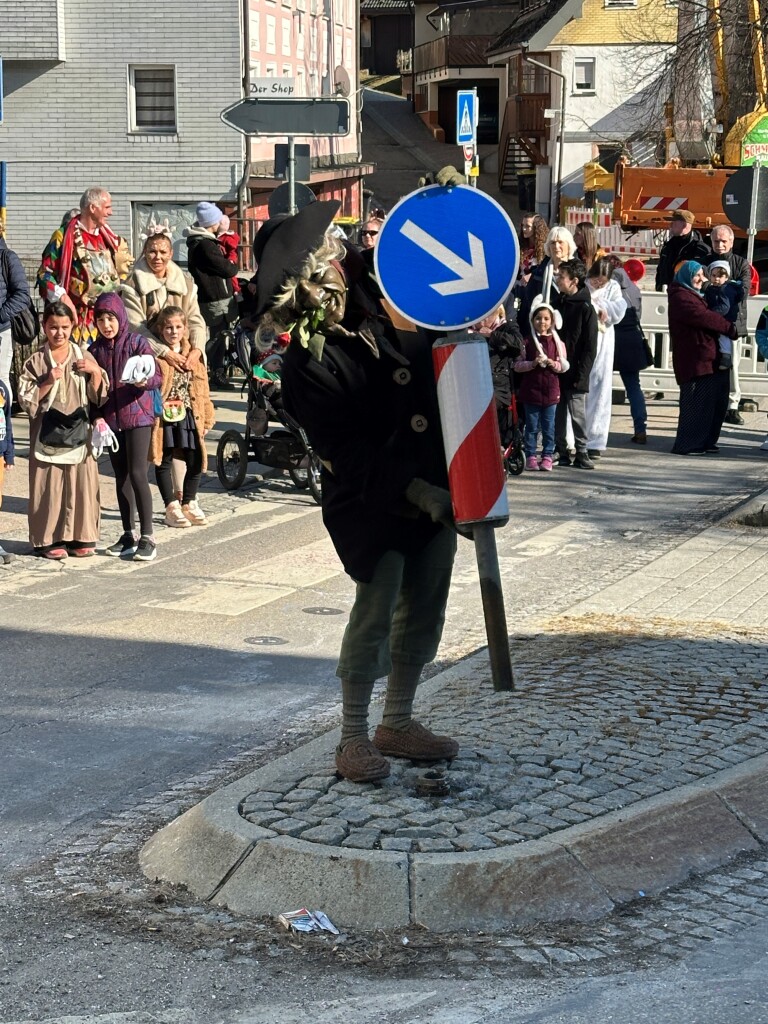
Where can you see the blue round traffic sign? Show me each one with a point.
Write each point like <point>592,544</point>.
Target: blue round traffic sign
<point>446,256</point>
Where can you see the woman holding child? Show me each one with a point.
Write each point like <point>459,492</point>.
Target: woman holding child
<point>693,333</point>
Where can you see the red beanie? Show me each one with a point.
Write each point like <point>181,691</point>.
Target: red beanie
<point>635,270</point>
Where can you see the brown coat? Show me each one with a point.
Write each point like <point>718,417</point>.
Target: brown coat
<point>202,407</point>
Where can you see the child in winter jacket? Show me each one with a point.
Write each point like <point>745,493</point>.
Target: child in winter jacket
<point>505,345</point>
<point>724,297</point>
<point>229,242</point>
<point>539,366</point>
<point>6,448</point>
<point>130,413</point>
<point>187,416</point>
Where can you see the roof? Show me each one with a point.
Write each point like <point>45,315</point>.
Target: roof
<point>536,29</point>
<point>389,6</point>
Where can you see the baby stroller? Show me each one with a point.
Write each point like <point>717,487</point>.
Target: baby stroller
<point>284,447</point>
<point>512,441</point>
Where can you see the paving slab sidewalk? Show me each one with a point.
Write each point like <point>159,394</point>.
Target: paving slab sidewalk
<point>632,753</point>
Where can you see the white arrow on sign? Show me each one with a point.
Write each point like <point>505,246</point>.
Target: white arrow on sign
<point>472,276</point>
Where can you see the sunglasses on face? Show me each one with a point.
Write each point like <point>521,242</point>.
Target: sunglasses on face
<point>371,233</point>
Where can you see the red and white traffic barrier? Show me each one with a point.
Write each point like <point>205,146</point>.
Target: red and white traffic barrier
<point>476,474</point>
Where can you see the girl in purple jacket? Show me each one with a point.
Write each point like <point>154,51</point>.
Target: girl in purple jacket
<point>543,360</point>
<point>130,412</point>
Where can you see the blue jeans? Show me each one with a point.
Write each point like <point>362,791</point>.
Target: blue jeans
<point>539,417</point>
<point>636,398</point>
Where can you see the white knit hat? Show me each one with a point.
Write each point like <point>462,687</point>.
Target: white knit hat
<point>719,265</point>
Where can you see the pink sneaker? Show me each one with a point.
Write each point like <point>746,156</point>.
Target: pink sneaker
<point>531,462</point>
<point>546,464</point>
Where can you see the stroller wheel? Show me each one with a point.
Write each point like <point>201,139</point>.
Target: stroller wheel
<point>314,480</point>
<point>300,478</point>
<point>232,459</point>
<point>514,462</point>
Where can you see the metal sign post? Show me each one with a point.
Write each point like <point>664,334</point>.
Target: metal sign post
<point>462,254</point>
<point>752,229</point>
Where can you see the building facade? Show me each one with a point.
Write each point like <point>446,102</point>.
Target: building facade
<point>607,60</point>
<point>129,96</point>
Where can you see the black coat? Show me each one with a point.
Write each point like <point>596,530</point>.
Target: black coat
<point>579,334</point>
<point>14,290</point>
<point>375,424</point>
<point>210,269</point>
<point>631,352</point>
<point>677,249</point>
<point>741,273</point>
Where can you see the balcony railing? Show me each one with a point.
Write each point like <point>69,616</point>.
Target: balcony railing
<point>404,61</point>
<point>452,52</point>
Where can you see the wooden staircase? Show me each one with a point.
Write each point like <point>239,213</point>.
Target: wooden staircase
<point>522,140</point>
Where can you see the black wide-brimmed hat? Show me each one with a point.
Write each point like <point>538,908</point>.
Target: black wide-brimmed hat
<point>283,244</point>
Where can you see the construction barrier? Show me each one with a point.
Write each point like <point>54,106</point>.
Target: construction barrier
<point>612,237</point>
<point>753,369</point>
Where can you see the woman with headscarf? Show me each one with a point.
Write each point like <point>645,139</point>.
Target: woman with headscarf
<point>693,334</point>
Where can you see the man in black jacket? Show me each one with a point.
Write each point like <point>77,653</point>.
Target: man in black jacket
<point>683,244</point>
<point>212,273</point>
<point>721,238</point>
<point>579,333</point>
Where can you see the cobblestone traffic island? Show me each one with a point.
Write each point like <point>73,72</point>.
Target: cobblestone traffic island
<point>575,741</point>
<point>632,753</point>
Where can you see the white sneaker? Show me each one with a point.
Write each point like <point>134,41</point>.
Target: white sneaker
<point>175,517</point>
<point>194,514</point>
<point>764,445</point>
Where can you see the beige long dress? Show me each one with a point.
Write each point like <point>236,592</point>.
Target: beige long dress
<point>63,500</point>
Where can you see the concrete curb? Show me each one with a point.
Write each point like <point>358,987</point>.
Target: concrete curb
<point>752,512</point>
<point>579,873</point>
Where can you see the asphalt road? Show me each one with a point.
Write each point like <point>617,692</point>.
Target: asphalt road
<point>121,681</point>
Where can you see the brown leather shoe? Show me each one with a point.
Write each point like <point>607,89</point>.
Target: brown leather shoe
<point>416,743</point>
<point>359,761</point>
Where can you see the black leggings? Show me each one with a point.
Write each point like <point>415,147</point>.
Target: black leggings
<point>130,464</point>
<point>193,457</point>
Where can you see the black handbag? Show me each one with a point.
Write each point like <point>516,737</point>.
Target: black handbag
<point>25,326</point>
<point>64,430</point>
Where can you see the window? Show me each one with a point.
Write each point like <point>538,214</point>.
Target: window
<point>271,71</point>
<point>255,69</point>
<point>152,99</point>
<point>286,26</point>
<point>620,3</point>
<point>271,26</point>
<point>313,41</point>
<point>301,5</point>
<point>338,11</point>
<point>584,75</point>
<point>313,89</point>
<point>255,31</point>
<point>299,38</point>
<point>287,71</point>
<point>301,87</point>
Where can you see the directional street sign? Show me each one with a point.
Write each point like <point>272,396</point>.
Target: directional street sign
<point>466,116</point>
<point>737,197</point>
<point>323,115</point>
<point>446,257</point>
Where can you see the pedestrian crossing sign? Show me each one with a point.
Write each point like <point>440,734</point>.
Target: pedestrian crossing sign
<point>466,116</point>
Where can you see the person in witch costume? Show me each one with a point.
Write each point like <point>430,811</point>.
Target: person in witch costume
<point>365,394</point>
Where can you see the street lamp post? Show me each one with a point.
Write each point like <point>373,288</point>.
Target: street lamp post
<point>561,138</point>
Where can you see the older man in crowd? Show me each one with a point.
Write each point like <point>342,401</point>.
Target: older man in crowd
<point>721,238</point>
<point>684,243</point>
<point>84,259</point>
